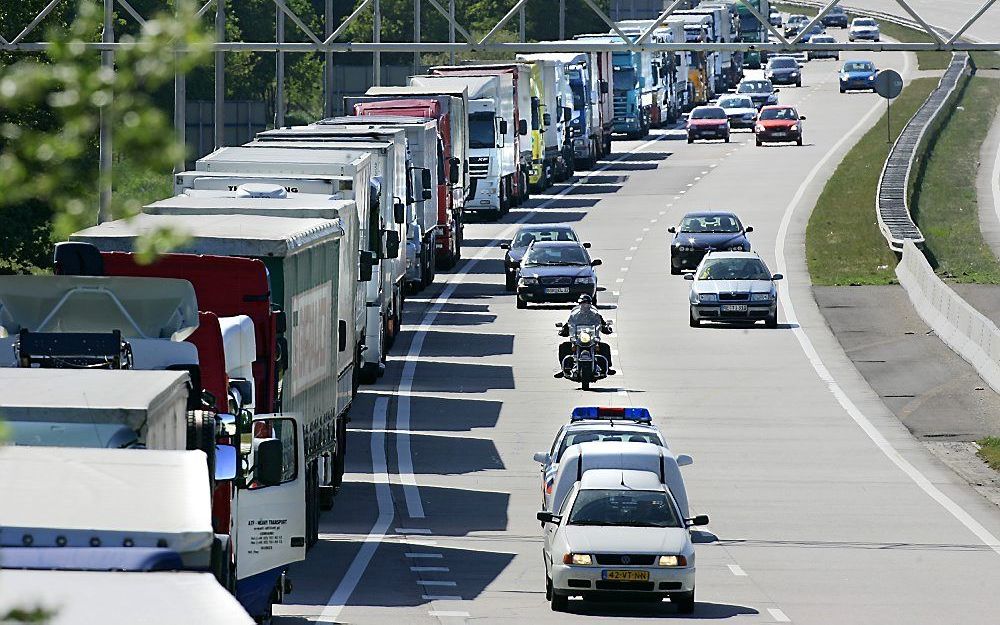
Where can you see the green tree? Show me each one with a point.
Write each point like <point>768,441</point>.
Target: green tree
<point>50,164</point>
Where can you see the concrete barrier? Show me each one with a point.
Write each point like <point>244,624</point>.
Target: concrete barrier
<point>968,332</point>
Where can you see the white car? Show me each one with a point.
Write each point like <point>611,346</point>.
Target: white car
<point>733,287</point>
<point>596,423</point>
<point>863,28</point>
<point>619,535</point>
<point>740,110</point>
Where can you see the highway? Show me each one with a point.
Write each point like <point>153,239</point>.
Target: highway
<point>824,509</point>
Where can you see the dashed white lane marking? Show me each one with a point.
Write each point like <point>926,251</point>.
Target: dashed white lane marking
<point>645,229</point>
<point>614,352</point>
<point>705,172</point>
<point>616,293</point>
<point>638,239</point>
<point>714,165</point>
<point>682,192</point>
<point>430,569</point>
<point>619,279</point>
<point>380,475</point>
<point>677,197</point>
<point>690,184</point>
<point>434,582</point>
<point>736,570</point>
<point>632,249</point>
<point>624,269</point>
<point>448,613</point>
<point>778,615</point>
<point>342,593</point>
<point>440,597</point>
<point>412,530</point>
<point>665,212</point>
<point>622,392</point>
<point>627,258</point>
<point>824,374</point>
<point>417,555</point>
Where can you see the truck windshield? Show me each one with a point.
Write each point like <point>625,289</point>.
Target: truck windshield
<point>577,95</point>
<point>481,130</point>
<point>624,79</point>
<point>630,508</point>
<point>536,114</point>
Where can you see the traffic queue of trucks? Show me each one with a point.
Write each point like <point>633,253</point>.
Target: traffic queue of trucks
<point>207,393</point>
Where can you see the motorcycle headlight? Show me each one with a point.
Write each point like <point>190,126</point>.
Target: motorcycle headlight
<point>584,337</point>
<point>584,280</point>
<point>706,297</point>
<point>528,281</point>
<point>760,297</point>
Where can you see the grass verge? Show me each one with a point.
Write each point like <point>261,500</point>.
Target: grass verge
<point>944,202</point>
<point>989,451</point>
<point>843,243</point>
<point>140,186</point>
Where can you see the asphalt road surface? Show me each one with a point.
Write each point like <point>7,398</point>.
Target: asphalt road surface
<point>824,509</point>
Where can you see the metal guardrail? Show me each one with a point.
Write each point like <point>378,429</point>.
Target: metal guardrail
<point>894,218</point>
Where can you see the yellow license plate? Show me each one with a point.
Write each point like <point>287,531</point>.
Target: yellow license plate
<point>627,576</point>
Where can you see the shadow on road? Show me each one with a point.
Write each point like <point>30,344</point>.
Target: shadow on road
<point>450,455</point>
<point>702,610</point>
<point>461,344</point>
<point>453,377</point>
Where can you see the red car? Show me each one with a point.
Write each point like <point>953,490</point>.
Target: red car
<point>778,123</point>
<point>708,122</point>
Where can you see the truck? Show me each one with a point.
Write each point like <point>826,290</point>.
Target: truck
<point>672,30</point>
<point>121,598</point>
<point>729,29</point>
<point>302,261</point>
<point>155,512</point>
<point>664,108</point>
<point>555,107</point>
<point>383,295</point>
<point>633,90</point>
<point>717,24</point>
<point>492,152</point>
<point>449,109</point>
<point>702,66</point>
<point>426,172</point>
<point>515,97</point>
<point>752,31</point>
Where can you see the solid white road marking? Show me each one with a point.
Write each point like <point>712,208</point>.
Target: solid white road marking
<point>423,555</point>
<point>430,569</point>
<point>824,374</point>
<point>737,570</point>
<point>335,604</point>
<point>778,615</point>
<point>448,613</point>
<point>380,475</point>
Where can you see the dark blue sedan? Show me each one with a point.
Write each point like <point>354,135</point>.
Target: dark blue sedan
<point>700,233</point>
<point>857,75</point>
<point>556,271</point>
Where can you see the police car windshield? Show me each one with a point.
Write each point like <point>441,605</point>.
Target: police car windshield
<point>610,434</point>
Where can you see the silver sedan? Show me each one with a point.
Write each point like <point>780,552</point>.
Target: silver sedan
<point>733,287</point>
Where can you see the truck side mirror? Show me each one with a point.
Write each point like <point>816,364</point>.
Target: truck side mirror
<point>567,113</point>
<point>604,86</point>
<point>505,246</point>
<point>367,263</point>
<point>391,243</point>
<point>268,461</point>
<point>225,462</point>
<point>522,127</point>
<point>425,181</point>
<point>503,126</point>
<point>455,170</point>
<point>342,335</point>
<point>547,119</point>
<point>280,321</point>
<point>281,358</point>
<point>398,211</point>
<point>245,389</point>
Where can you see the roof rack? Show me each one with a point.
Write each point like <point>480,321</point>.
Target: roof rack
<point>584,413</point>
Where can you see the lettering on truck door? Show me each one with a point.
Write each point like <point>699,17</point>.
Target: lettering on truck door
<point>310,349</point>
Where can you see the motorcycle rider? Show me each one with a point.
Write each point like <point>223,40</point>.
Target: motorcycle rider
<point>584,314</point>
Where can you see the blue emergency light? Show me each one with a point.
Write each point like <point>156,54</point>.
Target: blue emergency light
<point>638,415</point>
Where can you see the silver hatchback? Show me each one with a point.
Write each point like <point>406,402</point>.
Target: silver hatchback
<point>733,287</point>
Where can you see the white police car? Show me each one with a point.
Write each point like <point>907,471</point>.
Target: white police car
<point>593,423</point>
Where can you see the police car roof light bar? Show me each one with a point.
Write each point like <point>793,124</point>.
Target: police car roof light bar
<point>638,415</point>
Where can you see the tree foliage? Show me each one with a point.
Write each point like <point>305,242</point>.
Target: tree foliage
<point>51,107</point>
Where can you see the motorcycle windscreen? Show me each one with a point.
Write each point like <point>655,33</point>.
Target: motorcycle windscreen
<point>269,513</point>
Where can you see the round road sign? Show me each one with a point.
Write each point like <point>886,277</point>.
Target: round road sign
<point>888,83</point>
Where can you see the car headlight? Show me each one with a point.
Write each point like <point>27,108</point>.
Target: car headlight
<point>794,73</point>
<point>795,127</point>
<point>672,561</point>
<point>578,559</point>
<point>760,297</point>
<point>685,248</point>
<point>528,280</point>
<point>706,297</point>
<point>872,77</point>
<point>585,280</point>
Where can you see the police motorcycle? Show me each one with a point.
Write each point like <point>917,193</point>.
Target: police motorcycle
<point>584,358</point>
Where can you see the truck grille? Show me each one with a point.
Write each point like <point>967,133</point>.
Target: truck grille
<point>479,166</point>
<point>621,106</point>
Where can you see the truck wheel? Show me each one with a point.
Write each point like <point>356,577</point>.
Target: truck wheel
<point>341,461</point>
<point>368,373</point>
<point>201,435</point>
